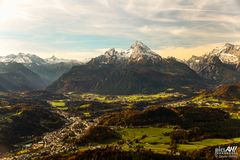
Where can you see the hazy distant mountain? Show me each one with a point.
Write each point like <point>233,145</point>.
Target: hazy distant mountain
<point>55,60</point>
<point>137,70</point>
<point>34,59</point>
<point>17,77</point>
<point>23,59</point>
<point>51,72</point>
<point>49,69</point>
<point>221,65</point>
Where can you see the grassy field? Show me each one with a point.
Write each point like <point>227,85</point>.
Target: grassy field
<point>60,104</point>
<point>152,135</point>
<point>130,98</point>
<point>208,101</point>
<point>158,139</point>
<point>85,106</point>
<point>86,114</point>
<point>206,143</point>
<point>153,97</point>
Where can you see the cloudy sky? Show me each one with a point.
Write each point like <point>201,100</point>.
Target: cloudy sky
<point>84,28</point>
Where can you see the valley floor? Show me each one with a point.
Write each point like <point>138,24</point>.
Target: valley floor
<point>166,123</point>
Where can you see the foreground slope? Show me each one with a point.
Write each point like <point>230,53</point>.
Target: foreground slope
<point>228,91</point>
<point>22,119</point>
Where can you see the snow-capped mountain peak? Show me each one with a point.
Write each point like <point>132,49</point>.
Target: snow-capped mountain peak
<point>33,59</point>
<point>143,54</point>
<point>22,58</point>
<point>229,53</point>
<point>55,60</point>
<point>113,52</point>
<point>140,45</point>
<point>137,53</point>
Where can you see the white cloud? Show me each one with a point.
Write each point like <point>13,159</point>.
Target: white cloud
<point>32,26</point>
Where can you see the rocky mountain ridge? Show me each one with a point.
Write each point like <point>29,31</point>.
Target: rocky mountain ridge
<point>24,58</point>
<point>137,70</point>
<point>137,53</point>
<point>221,65</point>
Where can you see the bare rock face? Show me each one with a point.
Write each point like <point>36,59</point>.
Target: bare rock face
<point>221,65</point>
<point>111,56</point>
<point>229,53</point>
<point>138,53</point>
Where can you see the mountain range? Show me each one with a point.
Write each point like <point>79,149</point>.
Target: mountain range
<point>29,72</point>
<point>17,77</point>
<point>33,59</point>
<point>138,53</point>
<point>221,65</point>
<point>137,70</point>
